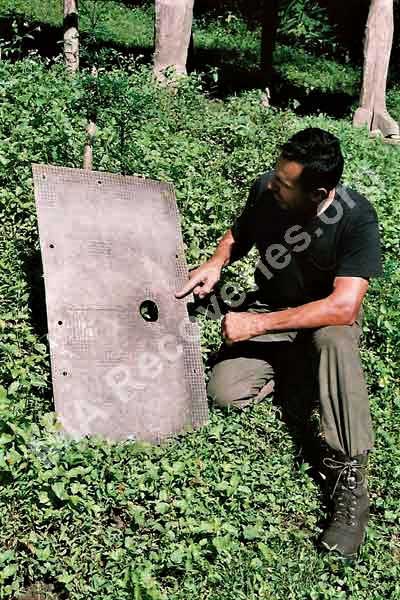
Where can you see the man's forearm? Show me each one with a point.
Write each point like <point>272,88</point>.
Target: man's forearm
<point>341,307</point>
<point>239,327</point>
<point>223,252</point>
<point>319,313</point>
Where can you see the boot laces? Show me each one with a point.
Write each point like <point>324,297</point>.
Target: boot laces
<point>349,476</point>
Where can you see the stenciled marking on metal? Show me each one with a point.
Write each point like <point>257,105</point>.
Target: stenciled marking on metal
<point>125,357</point>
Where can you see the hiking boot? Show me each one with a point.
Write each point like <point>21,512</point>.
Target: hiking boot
<point>346,477</point>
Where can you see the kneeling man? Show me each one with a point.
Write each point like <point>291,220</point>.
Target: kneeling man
<point>319,245</point>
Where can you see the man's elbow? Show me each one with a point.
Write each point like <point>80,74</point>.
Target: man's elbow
<point>346,298</point>
<point>345,313</point>
<point>351,317</point>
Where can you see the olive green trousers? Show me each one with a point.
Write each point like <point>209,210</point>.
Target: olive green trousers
<point>309,367</point>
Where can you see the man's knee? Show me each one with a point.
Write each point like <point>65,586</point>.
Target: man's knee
<point>223,394</point>
<point>335,337</point>
<point>239,381</point>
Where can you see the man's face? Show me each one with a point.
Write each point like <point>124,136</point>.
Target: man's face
<point>287,189</point>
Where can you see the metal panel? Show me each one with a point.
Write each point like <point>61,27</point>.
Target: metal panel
<point>110,243</point>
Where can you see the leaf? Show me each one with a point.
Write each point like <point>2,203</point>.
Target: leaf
<point>59,490</point>
<point>6,556</point>
<point>13,457</point>
<point>6,438</point>
<point>13,388</point>
<point>222,543</point>
<point>39,382</point>
<point>252,533</point>
<point>8,571</point>
<point>177,556</point>
<point>65,578</point>
<point>44,498</point>
<point>268,554</point>
<point>162,507</point>
<point>205,527</point>
<point>43,553</point>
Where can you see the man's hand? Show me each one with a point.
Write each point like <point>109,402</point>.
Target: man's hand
<point>202,280</point>
<point>241,326</point>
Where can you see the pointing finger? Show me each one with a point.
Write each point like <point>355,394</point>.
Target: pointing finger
<point>187,288</point>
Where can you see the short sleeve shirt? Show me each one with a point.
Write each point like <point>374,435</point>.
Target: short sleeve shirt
<point>299,262</point>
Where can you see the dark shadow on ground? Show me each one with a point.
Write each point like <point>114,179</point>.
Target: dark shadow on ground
<point>33,268</point>
<point>234,79</point>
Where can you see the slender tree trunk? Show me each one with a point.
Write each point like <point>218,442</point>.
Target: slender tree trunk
<point>88,151</point>
<point>173,28</point>
<point>71,35</point>
<point>268,39</point>
<point>377,49</point>
<point>91,131</point>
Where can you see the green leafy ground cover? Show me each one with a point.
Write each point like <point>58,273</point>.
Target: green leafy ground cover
<point>224,512</point>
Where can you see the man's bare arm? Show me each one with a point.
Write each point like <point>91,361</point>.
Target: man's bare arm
<point>341,307</point>
<point>203,279</point>
<point>223,252</point>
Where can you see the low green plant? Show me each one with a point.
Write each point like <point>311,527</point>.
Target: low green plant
<point>305,71</point>
<point>306,24</point>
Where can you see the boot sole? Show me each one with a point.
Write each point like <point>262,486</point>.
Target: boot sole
<point>338,554</point>
<point>342,555</point>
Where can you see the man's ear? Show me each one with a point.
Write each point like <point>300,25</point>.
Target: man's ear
<point>319,195</point>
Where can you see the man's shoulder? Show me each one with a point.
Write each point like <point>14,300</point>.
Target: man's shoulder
<point>260,183</point>
<point>357,206</point>
<point>259,186</point>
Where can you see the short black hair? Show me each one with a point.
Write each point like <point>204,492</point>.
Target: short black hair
<point>320,154</point>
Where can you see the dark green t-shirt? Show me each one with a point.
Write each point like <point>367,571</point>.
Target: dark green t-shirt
<point>300,261</point>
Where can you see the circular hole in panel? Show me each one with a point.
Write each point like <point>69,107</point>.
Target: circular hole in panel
<point>99,182</point>
<point>149,311</point>
<point>65,373</point>
<point>51,245</point>
<point>60,322</point>
<point>43,176</point>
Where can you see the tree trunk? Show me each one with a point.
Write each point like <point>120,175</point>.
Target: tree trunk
<point>71,35</point>
<point>268,39</point>
<point>377,49</point>
<point>88,151</point>
<point>172,36</point>
<point>91,131</point>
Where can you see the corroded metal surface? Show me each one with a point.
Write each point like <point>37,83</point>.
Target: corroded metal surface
<point>120,368</point>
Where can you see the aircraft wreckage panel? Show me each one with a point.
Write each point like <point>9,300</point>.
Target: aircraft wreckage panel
<point>125,357</point>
